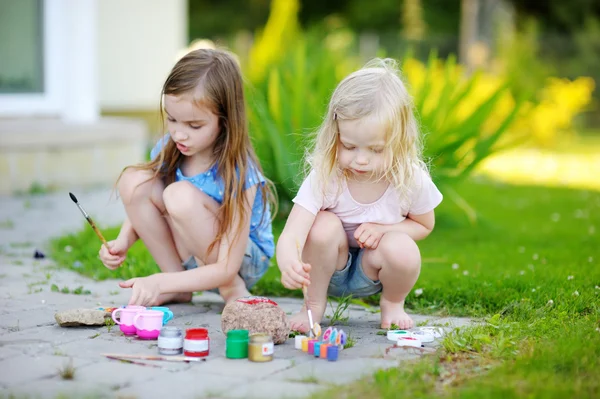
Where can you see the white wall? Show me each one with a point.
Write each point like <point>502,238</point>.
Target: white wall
<point>138,44</point>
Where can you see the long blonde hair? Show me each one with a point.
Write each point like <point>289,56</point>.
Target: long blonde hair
<point>375,92</point>
<point>215,80</point>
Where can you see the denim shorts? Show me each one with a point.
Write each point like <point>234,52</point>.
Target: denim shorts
<point>254,265</point>
<point>352,279</point>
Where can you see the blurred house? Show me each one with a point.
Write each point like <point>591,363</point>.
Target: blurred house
<point>63,63</point>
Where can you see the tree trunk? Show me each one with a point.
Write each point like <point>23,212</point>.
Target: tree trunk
<point>468,29</point>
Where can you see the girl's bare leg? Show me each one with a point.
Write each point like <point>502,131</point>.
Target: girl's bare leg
<point>142,196</point>
<point>396,262</point>
<point>193,220</point>
<point>326,250</point>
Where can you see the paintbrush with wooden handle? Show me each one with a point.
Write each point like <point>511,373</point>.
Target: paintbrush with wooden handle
<point>90,221</point>
<point>311,332</point>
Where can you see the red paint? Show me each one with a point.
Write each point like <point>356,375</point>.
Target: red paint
<point>253,300</point>
<point>196,342</point>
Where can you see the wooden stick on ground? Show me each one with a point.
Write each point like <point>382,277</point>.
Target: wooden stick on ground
<point>185,359</point>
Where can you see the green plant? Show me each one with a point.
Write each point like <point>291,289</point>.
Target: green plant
<point>109,323</point>
<point>287,106</point>
<point>309,379</point>
<point>337,315</point>
<point>67,372</point>
<point>350,342</point>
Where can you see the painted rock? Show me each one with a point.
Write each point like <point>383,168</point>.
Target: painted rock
<point>257,315</point>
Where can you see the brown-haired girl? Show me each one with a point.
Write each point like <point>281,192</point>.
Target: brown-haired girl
<point>202,200</point>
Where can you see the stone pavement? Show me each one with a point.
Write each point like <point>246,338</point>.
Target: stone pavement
<point>34,349</point>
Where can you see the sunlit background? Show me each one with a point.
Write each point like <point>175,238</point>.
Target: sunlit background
<point>504,88</point>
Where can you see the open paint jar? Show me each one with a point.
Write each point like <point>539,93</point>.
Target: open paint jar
<point>260,348</point>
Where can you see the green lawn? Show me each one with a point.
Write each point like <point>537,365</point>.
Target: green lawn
<point>529,267</point>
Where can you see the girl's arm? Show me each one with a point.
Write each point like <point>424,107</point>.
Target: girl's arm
<point>417,227</point>
<point>127,234</point>
<point>294,273</point>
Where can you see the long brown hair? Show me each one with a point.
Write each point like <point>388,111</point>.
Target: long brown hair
<point>214,78</point>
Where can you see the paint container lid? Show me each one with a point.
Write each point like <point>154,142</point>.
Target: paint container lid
<point>238,335</point>
<point>196,333</point>
<point>236,345</point>
<point>171,332</point>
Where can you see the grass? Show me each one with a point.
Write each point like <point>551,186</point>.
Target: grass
<point>529,268</point>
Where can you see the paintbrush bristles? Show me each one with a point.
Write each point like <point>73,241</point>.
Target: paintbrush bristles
<point>89,219</point>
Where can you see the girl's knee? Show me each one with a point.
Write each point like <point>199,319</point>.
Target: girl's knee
<point>135,184</point>
<point>399,251</point>
<point>182,198</point>
<point>326,229</point>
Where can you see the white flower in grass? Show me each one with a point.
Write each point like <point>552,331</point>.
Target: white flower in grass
<point>598,329</point>
<point>455,266</point>
<point>535,257</point>
<point>533,290</point>
<point>555,217</point>
<point>418,291</point>
<point>522,272</point>
<point>521,249</point>
<point>68,248</point>
<point>597,287</point>
<point>576,293</point>
<point>550,303</point>
<point>590,259</point>
<point>570,278</point>
<point>466,273</point>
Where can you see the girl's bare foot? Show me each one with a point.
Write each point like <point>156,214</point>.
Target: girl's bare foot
<point>299,321</point>
<point>393,313</point>
<point>236,289</point>
<point>177,297</point>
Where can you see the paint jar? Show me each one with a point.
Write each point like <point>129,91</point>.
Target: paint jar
<point>260,348</point>
<point>332,353</point>
<point>196,342</point>
<point>236,345</point>
<point>317,349</point>
<point>298,341</point>
<point>305,344</point>
<point>170,341</point>
<point>311,346</point>
<point>323,350</point>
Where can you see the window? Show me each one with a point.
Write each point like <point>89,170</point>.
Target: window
<point>21,46</point>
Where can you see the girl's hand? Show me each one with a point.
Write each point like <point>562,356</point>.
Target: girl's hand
<point>295,274</point>
<point>114,257</point>
<point>368,235</point>
<point>145,290</point>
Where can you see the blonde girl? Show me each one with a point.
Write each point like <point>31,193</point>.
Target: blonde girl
<point>202,200</point>
<point>366,200</point>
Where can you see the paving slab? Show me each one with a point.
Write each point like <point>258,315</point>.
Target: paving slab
<point>34,349</point>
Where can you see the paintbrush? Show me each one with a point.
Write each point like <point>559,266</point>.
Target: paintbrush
<point>90,221</point>
<point>311,333</point>
<point>185,359</point>
<point>121,359</point>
